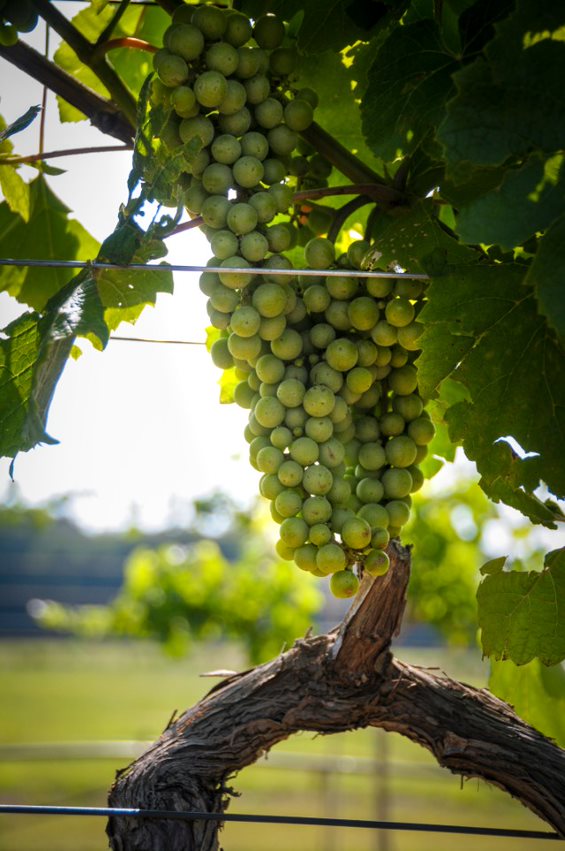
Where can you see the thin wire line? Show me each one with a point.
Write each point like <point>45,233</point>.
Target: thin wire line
<point>179,815</point>
<point>167,342</point>
<point>173,267</point>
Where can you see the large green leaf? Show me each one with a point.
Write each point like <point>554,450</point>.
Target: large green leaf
<point>536,692</point>
<point>409,83</point>
<point>546,275</point>
<point>483,329</point>
<point>414,239</point>
<point>521,615</point>
<point>511,99</point>
<point>48,234</point>
<point>526,201</point>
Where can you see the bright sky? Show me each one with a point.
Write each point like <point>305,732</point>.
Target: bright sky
<point>140,427</point>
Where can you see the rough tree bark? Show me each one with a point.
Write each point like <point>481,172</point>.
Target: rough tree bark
<point>344,680</point>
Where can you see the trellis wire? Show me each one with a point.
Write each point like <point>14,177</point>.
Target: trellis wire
<point>175,267</point>
<point>180,815</point>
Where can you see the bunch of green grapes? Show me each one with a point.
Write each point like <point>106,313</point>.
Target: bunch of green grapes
<point>325,362</point>
<point>16,16</point>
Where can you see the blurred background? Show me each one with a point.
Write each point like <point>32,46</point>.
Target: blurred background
<point>135,557</point>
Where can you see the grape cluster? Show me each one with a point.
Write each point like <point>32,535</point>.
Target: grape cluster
<point>324,362</point>
<point>16,16</point>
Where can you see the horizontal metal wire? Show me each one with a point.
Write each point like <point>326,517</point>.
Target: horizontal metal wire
<point>175,267</point>
<point>179,815</point>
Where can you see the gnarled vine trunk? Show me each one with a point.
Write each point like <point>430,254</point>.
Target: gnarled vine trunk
<point>344,680</point>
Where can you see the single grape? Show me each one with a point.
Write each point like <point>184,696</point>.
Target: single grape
<point>397,483</point>
<point>248,172</point>
<point>316,509</point>
<point>290,473</point>
<point>233,104</point>
<point>270,369</point>
<point>370,490</point>
<point>331,558</point>
<point>356,533</point>
<point>376,563</point>
<point>253,246</point>
<point>235,280</point>
<point>270,300</point>
<point>211,21</point>
<point>238,29</point>
<point>421,430</point>
<point>268,32</point>
<point>222,57</point>
<point>289,345</point>
<point>269,459</point>
<point>342,354</point>
<point>317,479</point>
<point>245,321</point>
<point>344,584</point>
<point>305,557</point>
<point>184,40</point>
<point>210,88</point>
<point>319,253</point>
<point>241,218</point>
<point>269,412</point>
<point>291,393</point>
<point>399,312</point>
<point>298,114</point>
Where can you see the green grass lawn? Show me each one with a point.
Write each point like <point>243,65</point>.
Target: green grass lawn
<point>55,691</point>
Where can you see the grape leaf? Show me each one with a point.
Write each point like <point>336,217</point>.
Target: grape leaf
<point>48,234</point>
<point>409,83</point>
<point>546,273</point>
<point>536,692</point>
<point>511,99</point>
<point>483,329</point>
<point>521,615</point>
<point>527,200</point>
<point>413,239</point>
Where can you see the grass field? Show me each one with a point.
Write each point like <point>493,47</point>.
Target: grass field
<point>55,691</point>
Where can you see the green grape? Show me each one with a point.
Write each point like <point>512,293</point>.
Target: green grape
<point>220,354</point>
<point>305,557</point>
<point>356,252</point>
<point>282,62</point>
<point>243,395</point>
<point>253,246</point>
<point>283,551</point>
<point>409,335</point>
<point>317,479</point>
<point>268,113</point>
<point>244,348</point>
<point>270,300</point>
<point>236,123</point>
<point>257,88</point>
<point>290,474</point>
<point>317,299</point>
<point>332,452</point>
<point>210,21</point>
<point>410,407</point>
<point>195,196</point>
<point>370,490</point>
<point>226,149</point>
<point>323,373</point>
<point>342,287</point>
<point>270,486</point>
<point>298,114</point>
<point>269,459</point>
<point>282,196</point>
<point>238,29</point>
<point>233,104</point>
<point>183,102</point>
<point>257,444</point>
<point>400,451</point>
<point>356,533</point>
<point>399,312</point>
<point>289,345</point>
<point>320,534</point>
<point>245,321</point>
<point>319,429</point>
<point>421,430</point>
<point>376,515</point>
<point>250,62</point>
<point>397,483</point>
<point>309,95</point>
<point>295,419</point>
<point>291,393</point>
<point>184,40</point>
<point>380,537</point>
<point>322,334</point>
<point>241,218</point>
<point>268,32</point>
<point>367,352</point>
<point>271,328</point>
<point>319,401</point>
<point>417,478</point>
<point>224,299</point>
<point>282,140</point>
<point>214,210</point>
<point>359,379</point>
<point>342,354</point>
<point>344,584</point>
<point>331,558</point>
<point>224,244</point>
<point>210,88</point>
<point>254,144</point>
<point>316,509</point>
<point>363,313</point>
<point>235,280</point>
<point>274,171</point>
<point>248,172</point>
<point>379,287</point>
<point>399,514</point>
<point>392,424</point>
<point>263,203</point>
<point>217,179</point>
<point>367,429</point>
<point>319,253</point>
<point>270,369</point>
<point>404,380</point>
<point>281,437</point>
<point>267,390</point>
<point>172,70</point>
<point>304,451</point>
<point>372,456</point>
<point>269,412</point>
<point>376,563</point>
<point>208,282</point>
<point>340,411</point>
<point>384,334</point>
<point>278,237</point>
<point>198,128</point>
<point>222,57</point>
<point>398,354</point>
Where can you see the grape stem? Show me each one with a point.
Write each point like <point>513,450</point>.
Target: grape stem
<point>375,191</point>
<point>128,42</point>
<point>343,214</point>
